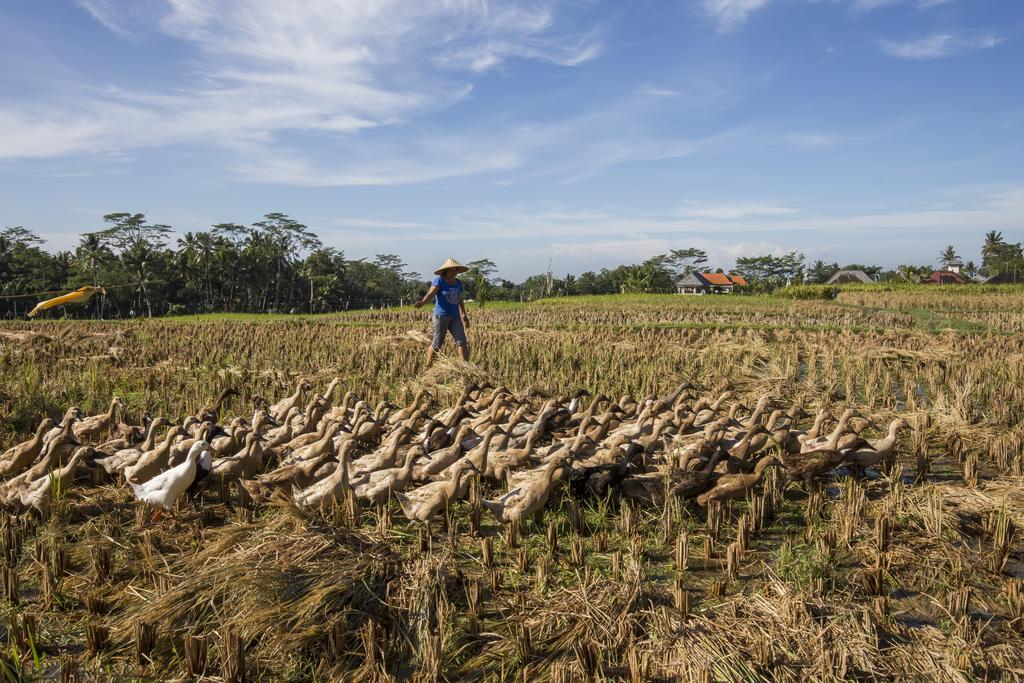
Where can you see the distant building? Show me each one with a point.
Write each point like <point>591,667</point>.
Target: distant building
<point>944,277</point>
<point>1005,279</point>
<point>692,283</point>
<point>849,277</point>
<point>709,283</point>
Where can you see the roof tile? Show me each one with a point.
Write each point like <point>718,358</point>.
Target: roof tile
<point>719,279</point>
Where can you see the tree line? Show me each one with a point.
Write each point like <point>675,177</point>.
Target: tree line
<point>278,264</point>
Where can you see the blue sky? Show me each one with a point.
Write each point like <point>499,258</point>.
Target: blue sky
<point>586,132</point>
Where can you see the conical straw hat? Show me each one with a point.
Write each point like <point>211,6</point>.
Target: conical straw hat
<point>451,263</point>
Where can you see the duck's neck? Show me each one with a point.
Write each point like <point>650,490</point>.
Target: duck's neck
<point>819,421</point>
<point>169,439</point>
<point>410,461</point>
<point>459,437</point>
<point>455,483</point>
<point>891,436</point>
<point>343,465</point>
<point>331,389</point>
<point>840,429</point>
<point>150,436</point>
<point>330,432</point>
<point>40,432</point>
<point>745,441</point>
<point>486,443</point>
<point>715,458</point>
<point>552,471</point>
<point>761,466</point>
<point>755,416</point>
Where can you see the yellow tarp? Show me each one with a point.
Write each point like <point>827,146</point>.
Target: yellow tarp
<point>78,296</point>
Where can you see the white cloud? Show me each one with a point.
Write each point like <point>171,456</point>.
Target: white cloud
<point>813,140</point>
<point>650,90</point>
<point>377,223</point>
<point>868,5</point>
<point>731,14</point>
<point>726,212</point>
<point>1004,208</point>
<point>264,70</point>
<point>937,46</point>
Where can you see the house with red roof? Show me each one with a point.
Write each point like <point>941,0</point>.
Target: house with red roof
<point>709,283</point>
<point>944,277</point>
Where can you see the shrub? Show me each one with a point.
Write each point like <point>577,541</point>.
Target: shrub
<point>809,292</point>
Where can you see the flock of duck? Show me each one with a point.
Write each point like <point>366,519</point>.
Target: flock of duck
<point>318,451</point>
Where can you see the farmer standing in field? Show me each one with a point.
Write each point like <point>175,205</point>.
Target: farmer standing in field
<point>449,310</point>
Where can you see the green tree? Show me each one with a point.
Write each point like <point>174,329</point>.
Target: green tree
<point>478,279</point>
<point>820,272</point>
<point>685,261</point>
<point>91,265</point>
<point>949,257</point>
<point>139,245</point>
<point>650,277</point>
<point>911,273</point>
<point>324,268</point>
<point>283,239</point>
<point>768,272</point>
<point>999,256</point>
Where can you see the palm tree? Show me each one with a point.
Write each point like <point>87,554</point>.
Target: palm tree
<point>949,257</point>
<point>91,258</point>
<point>993,240</point>
<point>141,261</point>
<point>196,252</point>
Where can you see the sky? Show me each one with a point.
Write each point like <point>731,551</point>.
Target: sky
<point>580,133</point>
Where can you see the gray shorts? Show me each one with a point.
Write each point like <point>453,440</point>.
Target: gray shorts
<point>448,323</point>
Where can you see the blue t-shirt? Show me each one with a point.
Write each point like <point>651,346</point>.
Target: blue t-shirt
<point>448,297</point>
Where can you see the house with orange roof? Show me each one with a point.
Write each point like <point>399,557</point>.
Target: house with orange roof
<point>709,283</point>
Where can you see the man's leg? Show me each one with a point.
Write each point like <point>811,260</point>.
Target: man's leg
<point>438,340</point>
<point>459,335</point>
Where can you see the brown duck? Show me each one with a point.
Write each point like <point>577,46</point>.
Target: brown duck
<point>732,486</point>
<point>16,458</point>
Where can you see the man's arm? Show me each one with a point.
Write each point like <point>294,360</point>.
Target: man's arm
<point>426,297</point>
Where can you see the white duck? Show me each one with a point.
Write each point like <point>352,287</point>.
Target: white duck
<point>164,489</point>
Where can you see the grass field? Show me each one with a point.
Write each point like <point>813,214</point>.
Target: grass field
<point>912,570</point>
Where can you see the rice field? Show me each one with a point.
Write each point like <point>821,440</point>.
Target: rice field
<point>616,488</point>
